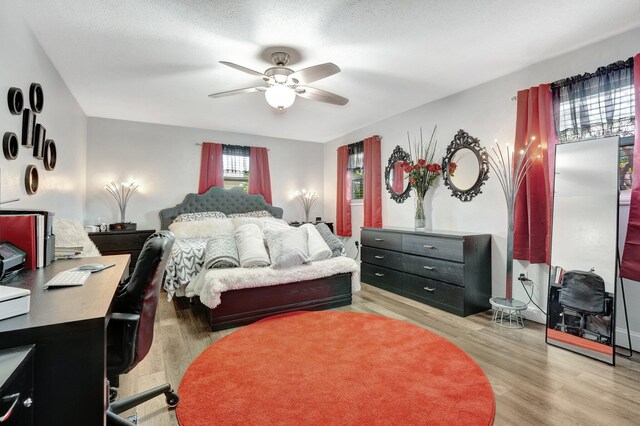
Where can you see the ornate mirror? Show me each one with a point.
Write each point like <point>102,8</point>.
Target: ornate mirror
<point>397,185</point>
<point>465,166</point>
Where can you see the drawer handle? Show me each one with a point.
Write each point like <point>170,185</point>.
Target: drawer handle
<point>428,246</point>
<point>379,257</point>
<point>379,239</point>
<point>15,397</point>
<point>378,274</point>
<point>429,268</point>
<point>429,289</point>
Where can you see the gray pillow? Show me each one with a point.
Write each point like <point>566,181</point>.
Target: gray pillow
<point>287,246</point>
<point>256,213</point>
<point>190,217</point>
<point>336,246</point>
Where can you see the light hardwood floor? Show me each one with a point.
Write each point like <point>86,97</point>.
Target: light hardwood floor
<point>533,383</point>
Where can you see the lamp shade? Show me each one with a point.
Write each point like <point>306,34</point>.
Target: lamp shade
<point>279,96</point>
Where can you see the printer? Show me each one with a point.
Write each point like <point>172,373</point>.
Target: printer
<point>12,259</point>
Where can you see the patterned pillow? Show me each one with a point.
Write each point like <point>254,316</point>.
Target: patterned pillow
<point>202,228</point>
<point>257,213</point>
<point>190,217</point>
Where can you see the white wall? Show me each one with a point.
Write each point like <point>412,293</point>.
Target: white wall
<point>166,162</point>
<point>24,62</point>
<point>486,112</point>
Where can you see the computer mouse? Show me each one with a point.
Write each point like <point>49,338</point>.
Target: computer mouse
<point>91,267</point>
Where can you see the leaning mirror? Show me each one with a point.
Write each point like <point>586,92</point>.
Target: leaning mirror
<point>394,175</point>
<point>465,166</point>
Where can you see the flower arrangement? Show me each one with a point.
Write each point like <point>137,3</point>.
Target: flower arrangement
<point>306,199</point>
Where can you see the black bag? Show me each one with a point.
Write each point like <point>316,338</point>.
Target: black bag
<point>582,291</point>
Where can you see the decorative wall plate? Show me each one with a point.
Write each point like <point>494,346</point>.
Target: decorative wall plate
<point>36,98</point>
<point>15,99</point>
<point>38,141</point>
<point>31,179</point>
<point>50,155</point>
<point>10,145</point>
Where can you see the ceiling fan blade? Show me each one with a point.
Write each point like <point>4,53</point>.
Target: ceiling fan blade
<point>238,91</point>
<point>320,95</point>
<point>247,70</point>
<point>314,73</point>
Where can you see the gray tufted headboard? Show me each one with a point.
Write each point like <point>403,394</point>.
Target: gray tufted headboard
<point>233,200</point>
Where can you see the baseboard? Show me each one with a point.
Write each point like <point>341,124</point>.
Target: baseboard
<point>622,339</point>
<point>534,314</point>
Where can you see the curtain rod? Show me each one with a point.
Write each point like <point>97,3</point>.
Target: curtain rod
<point>200,144</point>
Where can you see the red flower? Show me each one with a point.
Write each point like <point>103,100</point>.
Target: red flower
<point>406,167</point>
<point>430,168</point>
<point>437,167</point>
<point>412,180</point>
<point>422,162</point>
<point>416,167</point>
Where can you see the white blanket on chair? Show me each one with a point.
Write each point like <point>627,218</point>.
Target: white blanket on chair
<point>210,283</point>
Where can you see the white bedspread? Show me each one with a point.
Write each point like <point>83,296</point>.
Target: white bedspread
<point>209,284</point>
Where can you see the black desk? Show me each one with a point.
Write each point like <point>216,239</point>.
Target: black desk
<point>68,327</point>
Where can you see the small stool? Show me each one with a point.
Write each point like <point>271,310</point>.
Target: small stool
<point>508,312</point>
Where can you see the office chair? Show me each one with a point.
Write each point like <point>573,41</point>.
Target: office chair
<point>583,295</point>
<point>130,330</point>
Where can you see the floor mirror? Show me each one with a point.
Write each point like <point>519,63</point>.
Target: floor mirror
<point>584,240</point>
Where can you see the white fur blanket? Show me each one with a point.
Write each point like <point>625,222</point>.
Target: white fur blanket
<point>210,283</point>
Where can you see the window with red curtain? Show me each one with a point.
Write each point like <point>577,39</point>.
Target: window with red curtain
<point>211,168</point>
<point>343,193</point>
<point>259,174</point>
<point>372,183</point>
<point>532,214</point>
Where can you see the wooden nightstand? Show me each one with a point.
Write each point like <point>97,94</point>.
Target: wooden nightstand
<point>121,242</point>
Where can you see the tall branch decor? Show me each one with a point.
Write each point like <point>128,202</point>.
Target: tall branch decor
<point>122,194</point>
<point>511,179</point>
<point>307,199</point>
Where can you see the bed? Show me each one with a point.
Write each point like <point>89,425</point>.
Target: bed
<point>243,306</point>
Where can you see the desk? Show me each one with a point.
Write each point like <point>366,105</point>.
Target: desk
<point>68,327</point>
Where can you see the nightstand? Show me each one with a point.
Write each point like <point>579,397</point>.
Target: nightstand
<point>297,224</point>
<point>121,242</point>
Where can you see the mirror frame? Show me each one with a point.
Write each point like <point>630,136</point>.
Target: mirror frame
<point>398,154</point>
<point>460,141</point>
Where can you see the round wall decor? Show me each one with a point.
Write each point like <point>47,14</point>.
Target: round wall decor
<point>36,98</point>
<point>15,99</point>
<point>50,155</point>
<point>31,179</point>
<point>10,145</point>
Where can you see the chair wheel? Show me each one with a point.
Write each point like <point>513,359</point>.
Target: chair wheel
<point>172,398</point>
<point>113,394</point>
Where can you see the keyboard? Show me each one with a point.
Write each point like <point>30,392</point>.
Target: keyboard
<point>68,278</point>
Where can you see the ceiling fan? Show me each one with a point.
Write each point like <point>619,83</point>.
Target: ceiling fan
<point>283,84</point>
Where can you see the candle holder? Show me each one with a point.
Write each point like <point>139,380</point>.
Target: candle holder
<point>122,193</point>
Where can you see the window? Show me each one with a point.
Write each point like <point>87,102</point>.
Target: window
<point>356,169</point>
<point>599,105</point>
<point>235,160</point>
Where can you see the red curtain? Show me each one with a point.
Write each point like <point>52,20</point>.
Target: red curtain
<point>532,215</point>
<point>211,168</point>
<point>343,194</point>
<point>398,178</point>
<point>372,183</point>
<point>631,255</point>
<point>259,175</point>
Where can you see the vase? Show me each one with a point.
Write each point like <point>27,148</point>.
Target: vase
<point>419,217</point>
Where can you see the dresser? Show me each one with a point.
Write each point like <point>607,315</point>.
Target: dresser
<point>446,269</point>
<point>121,242</point>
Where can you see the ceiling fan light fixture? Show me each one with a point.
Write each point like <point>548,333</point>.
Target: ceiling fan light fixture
<point>280,97</point>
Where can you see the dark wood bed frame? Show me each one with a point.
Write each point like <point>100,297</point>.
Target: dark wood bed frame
<point>241,307</point>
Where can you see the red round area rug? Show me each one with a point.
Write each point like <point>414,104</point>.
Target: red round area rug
<point>320,368</point>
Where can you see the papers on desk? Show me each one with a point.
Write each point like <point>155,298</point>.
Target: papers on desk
<point>13,301</point>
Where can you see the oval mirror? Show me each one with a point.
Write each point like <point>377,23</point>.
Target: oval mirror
<point>465,166</point>
<point>394,175</point>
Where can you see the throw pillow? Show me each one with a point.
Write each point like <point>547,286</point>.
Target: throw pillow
<point>287,246</point>
<point>336,246</point>
<point>190,217</point>
<point>256,213</point>
<point>202,228</point>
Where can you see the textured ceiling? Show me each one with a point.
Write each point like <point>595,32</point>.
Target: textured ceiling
<point>157,60</point>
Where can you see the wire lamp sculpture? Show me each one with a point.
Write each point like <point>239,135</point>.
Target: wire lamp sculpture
<point>122,194</point>
<point>511,175</point>
<point>307,200</point>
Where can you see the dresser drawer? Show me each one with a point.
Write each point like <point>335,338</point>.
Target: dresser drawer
<point>384,277</point>
<point>389,259</point>
<point>432,246</point>
<point>383,240</point>
<point>438,269</point>
<point>437,293</point>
